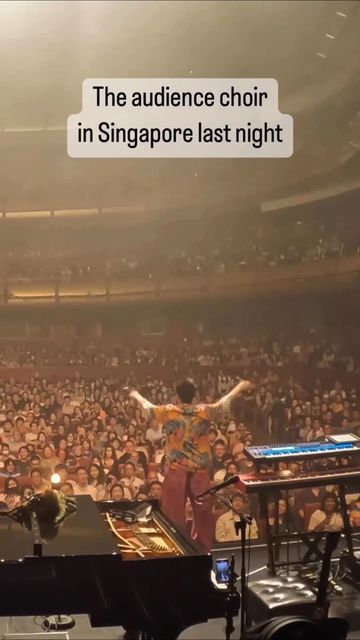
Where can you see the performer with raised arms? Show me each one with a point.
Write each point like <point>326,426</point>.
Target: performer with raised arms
<point>188,453</point>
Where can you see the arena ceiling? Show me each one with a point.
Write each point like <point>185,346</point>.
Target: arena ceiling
<point>48,48</point>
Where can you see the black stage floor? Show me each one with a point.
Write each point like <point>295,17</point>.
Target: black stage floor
<point>346,605</point>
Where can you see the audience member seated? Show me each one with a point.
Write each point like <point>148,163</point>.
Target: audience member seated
<point>129,479</point>
<point>225,525</point>
<point>219,458</point>
<point>282,521</point>
<point>67,489</point>
<point>328,517</point>
<point>9,469</point>
<point>82,486</point>
<point>11,495</point>
<point>354,511</point>
<point>155,490</point>
<point>117,492</point>
<point>38,483</point>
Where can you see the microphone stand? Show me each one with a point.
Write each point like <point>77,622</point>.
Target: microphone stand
<point>36,535</point>
<point>240,525</point>
<point>232,600</point>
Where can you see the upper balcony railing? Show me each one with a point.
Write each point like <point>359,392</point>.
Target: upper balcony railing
<point>285,277</point>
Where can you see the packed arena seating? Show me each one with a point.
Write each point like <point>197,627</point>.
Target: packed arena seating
<point>50,251</point>
<point>256,352</point>
<point>93,435</point>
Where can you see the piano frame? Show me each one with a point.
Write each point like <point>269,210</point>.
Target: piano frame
<point>82,570</point>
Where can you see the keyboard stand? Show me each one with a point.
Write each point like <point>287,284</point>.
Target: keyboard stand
<point>263,499</point>
<point>312,539</point>
<point>346,519</point>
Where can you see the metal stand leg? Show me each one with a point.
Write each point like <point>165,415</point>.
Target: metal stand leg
<point>243,580</point>
<point>346,520</point>
<point>231,599</point>
<point>241,525</point>
<point>269,540</point>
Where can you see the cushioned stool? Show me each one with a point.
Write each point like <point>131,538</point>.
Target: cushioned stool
<point>279,596</point>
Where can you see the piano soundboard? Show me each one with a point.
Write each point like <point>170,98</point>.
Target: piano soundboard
<point>149,538</point>
<point>301,451</point>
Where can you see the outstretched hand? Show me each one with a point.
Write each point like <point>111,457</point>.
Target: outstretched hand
<point>245,385</point>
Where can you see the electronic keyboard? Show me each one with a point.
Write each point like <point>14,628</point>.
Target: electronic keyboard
<point>253,482</point>
<point>301,451</point>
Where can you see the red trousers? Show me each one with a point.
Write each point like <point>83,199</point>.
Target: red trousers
<point>179,485</point>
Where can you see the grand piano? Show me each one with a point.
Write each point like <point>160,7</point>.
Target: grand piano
<point>140,573</point>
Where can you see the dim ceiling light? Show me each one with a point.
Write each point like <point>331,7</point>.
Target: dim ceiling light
<point>328,35</point>
<point>341,14</point>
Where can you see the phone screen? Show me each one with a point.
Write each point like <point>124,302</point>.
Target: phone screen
<point>222,570</point>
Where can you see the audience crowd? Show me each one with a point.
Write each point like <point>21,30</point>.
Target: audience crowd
<point>92,434</point>
<point>111,253</point>
<point>228,257</point>
<point>200,353</point>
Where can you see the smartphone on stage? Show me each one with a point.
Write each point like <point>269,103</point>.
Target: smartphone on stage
<point>222,573</point>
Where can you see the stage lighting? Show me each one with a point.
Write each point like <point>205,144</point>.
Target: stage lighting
<point>55,480</point>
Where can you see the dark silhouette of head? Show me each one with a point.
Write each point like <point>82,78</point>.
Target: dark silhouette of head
<point>186,390</point>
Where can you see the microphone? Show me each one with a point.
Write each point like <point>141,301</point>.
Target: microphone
<point>218,487</point>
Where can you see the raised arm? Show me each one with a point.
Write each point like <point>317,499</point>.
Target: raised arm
<point>225,402</point>
<point>145,404</point>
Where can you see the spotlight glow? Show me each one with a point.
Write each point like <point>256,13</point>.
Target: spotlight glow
<point>55,478</point>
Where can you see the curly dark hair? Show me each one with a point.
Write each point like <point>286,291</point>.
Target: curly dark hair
<point>186,390</point>
<point>332,496</point>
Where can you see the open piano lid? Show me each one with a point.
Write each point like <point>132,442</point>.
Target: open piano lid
<point>84,533</point>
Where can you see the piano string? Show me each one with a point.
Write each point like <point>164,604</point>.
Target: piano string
<point>143,538</point>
